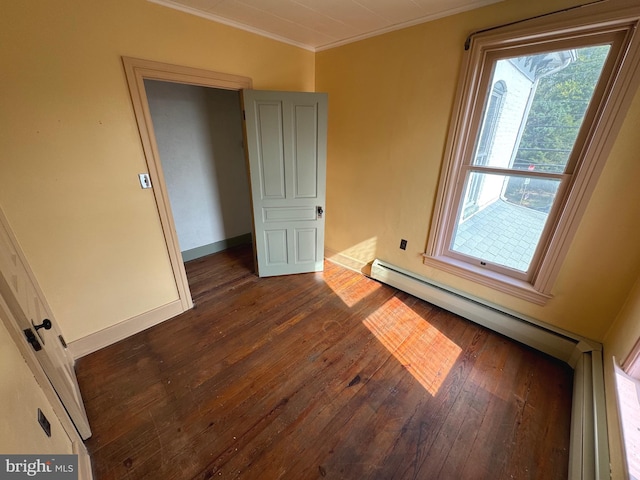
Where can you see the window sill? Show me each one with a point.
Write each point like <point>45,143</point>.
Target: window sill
<point>488,278</point>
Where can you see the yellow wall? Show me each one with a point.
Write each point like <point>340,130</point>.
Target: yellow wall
<point>71,153</point>
<point>390,105</point>
<point>618,343</point>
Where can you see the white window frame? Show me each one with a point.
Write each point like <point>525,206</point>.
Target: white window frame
<point>604,117</point>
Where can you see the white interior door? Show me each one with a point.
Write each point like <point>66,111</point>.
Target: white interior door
<point>286,137</point>
<point>22,294</point>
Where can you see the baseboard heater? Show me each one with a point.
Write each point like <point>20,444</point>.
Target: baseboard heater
<point>589,449</point>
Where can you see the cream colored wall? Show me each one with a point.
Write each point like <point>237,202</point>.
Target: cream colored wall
<point>618,343</point>
<point>391,102</point>
<point>21,397</point>
<point>71,153</point>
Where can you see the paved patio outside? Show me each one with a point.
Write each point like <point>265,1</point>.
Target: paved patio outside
<point>501,233</point>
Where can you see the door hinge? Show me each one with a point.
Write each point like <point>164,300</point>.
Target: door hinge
<point>61,338</point>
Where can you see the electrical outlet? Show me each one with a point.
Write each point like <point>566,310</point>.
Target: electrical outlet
<point>403,244</point>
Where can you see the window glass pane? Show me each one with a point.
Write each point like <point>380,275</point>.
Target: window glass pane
<point>535,107</point>
<point>503,217</point>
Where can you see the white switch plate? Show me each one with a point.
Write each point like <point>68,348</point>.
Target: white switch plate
<point>145,181</point>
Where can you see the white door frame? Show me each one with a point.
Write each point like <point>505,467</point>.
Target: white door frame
<point>137,71</point>
<point>11,324</point>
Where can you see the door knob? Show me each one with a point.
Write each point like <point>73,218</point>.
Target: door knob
<point>46,324</point>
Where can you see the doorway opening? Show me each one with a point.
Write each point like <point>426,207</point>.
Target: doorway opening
<point>198,131</point>
<point>138,72</point>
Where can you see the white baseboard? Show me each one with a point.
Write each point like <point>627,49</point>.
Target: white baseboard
<point>103,338</point>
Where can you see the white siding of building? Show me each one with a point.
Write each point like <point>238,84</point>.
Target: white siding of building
<point>514,103</point>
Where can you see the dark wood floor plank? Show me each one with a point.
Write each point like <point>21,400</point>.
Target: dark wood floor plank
<point>352,361</point>
<point>539,409</point>
<point>321,375</point>
<point>475,401</point>
<point>413,440</point>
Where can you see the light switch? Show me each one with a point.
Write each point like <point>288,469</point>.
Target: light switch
<point>145,181</point>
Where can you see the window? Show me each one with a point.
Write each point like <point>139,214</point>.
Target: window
<point>535,110</point>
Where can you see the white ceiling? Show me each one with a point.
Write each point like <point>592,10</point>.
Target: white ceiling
<point>321,24</point>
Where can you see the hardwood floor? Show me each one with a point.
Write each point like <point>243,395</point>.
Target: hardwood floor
<point>321,375</point>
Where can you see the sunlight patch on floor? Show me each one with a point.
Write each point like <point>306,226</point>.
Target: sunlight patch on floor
<point>351,289</point>
<point>420,347</point>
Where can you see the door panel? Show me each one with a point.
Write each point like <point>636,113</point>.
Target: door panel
<point>22,294</point>
<point>306,151</point>
<point>306,245</point>
<point>286,134</point>
<point>276,247</point>
<point>284,214</point>
<point>271,150</point>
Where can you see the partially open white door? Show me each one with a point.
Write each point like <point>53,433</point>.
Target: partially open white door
<point>286,136</point>
<point>22,294</point>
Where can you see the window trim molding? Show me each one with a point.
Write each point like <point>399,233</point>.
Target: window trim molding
<point>613,16</point>
<point>631,364</point>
